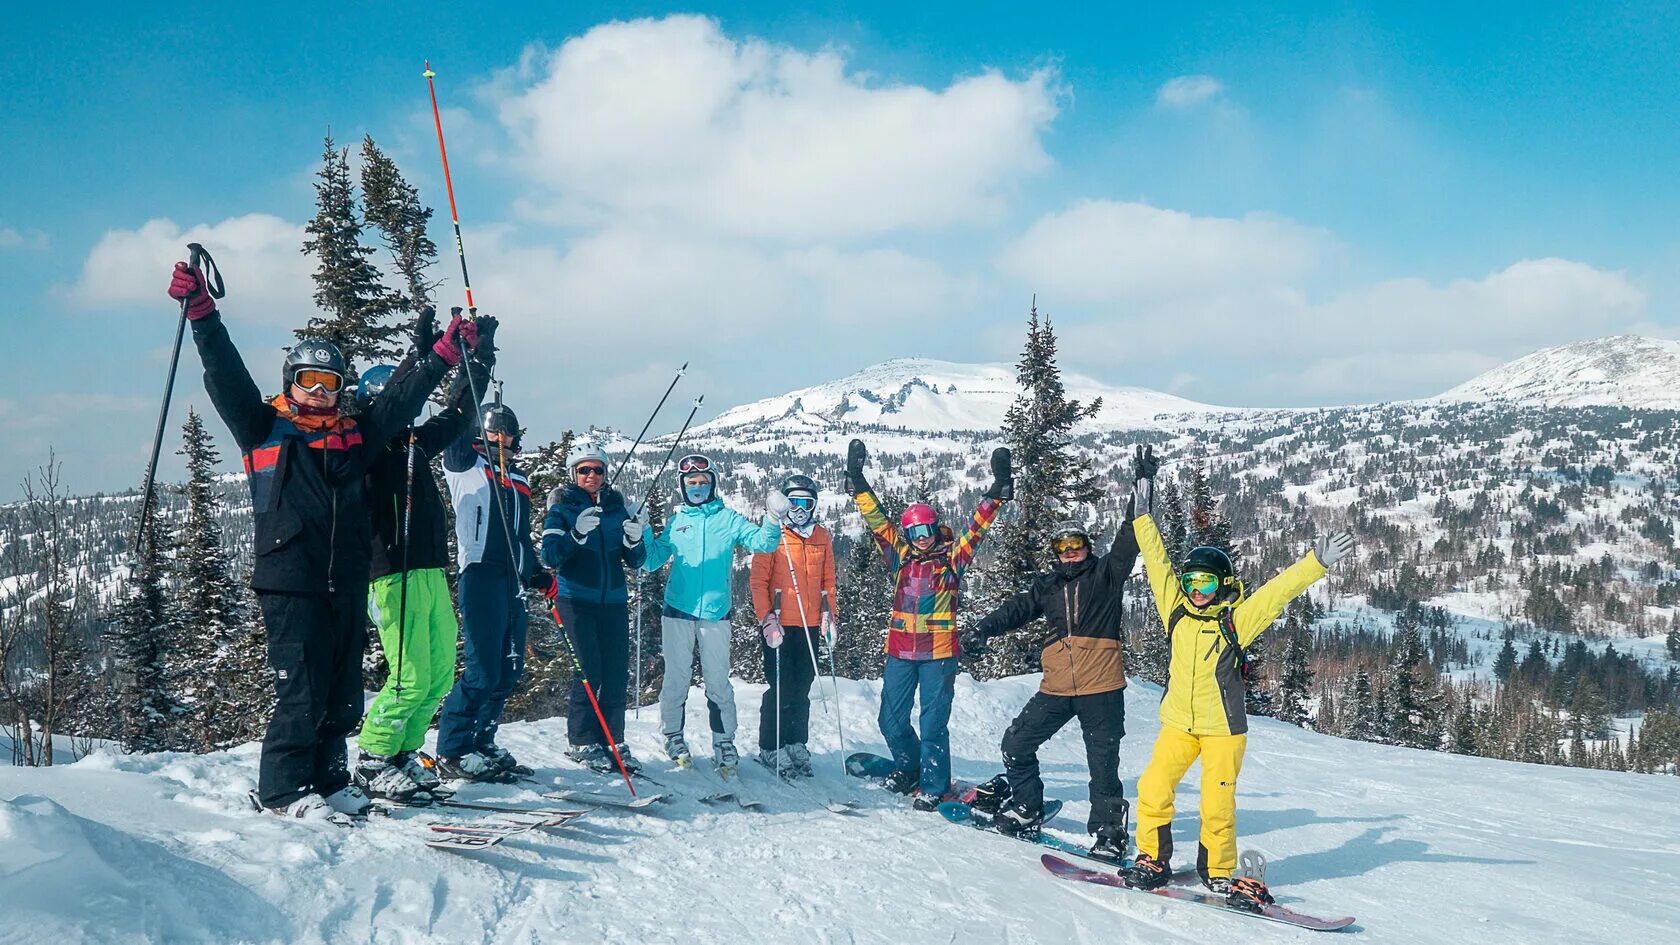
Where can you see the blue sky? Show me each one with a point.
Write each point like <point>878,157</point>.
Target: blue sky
<point>1239,204</point>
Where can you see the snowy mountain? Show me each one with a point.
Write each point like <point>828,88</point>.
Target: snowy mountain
<point>1622,371</point>
<point>1421,847</point>
<point>924,395</point>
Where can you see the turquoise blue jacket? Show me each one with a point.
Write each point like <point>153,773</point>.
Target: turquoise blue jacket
<point>701,540</point>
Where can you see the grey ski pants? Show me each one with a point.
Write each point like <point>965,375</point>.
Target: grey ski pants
<point>678,639</point>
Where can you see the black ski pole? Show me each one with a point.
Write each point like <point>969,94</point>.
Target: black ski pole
<point>402,593</point>
<point>651,417</point>
<point>200,261</point>
<point>654,482</point>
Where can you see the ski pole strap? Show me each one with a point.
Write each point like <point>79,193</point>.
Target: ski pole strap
<point>200,260</point>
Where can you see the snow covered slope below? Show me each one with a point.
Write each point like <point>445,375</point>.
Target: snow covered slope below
<point>1623,371</point>
<point>1421,847</point>
<point>924,395</point>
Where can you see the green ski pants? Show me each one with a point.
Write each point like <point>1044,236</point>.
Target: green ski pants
<point>398,719</point>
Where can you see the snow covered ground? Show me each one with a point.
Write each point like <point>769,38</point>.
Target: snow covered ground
<point>1420,846</point>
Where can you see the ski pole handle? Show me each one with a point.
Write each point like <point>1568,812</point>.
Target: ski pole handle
<point>200,261</point>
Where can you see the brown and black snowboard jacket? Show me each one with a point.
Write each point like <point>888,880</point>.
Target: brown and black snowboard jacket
<point>1080,604</point>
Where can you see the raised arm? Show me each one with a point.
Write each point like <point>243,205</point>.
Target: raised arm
<point>893,547</point>
<point>1163,581</point>
<point>1258,612</point>
<point>968,544</point>
<point>232,391</point>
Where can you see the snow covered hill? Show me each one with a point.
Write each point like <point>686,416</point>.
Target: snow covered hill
<point>1622,371</point>
<point>924,395</point>
<point>1421,847</point>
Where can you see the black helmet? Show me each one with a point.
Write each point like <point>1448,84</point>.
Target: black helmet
<point>312,354</point>
<point>800,484</point>
<point>1069,529</point>
<point>499,418</point>
<point>1216,562</point>
<point>373,381</point>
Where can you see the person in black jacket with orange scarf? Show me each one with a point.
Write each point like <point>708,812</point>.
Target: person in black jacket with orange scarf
<point>1084,675</point>
<point>306,462</point>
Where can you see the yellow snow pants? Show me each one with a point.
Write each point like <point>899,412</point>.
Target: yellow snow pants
<point>1175,751</point>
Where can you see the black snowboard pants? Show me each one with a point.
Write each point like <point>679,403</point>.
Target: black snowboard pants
<point>790,691</point>
<point>1102,719</point>
<point>315,644</point>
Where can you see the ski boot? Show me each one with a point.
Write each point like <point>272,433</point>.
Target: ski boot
<point>631,764</point>
<point>800,757</point>
<point>423,769</point>
<point>1019,821</point>
<point>677,750</point>
<point>383,777</point>
<point>506,762</point>
<point>1110,844</point>
<point>591,756</point>
<point>349,801</point>
<point>1147,873</point>
<point>1248,894</point>
<point>474,766</point>
<point>777,761</point>
<point>312,807</point>
<point>993,796</point>
<point>903,782</point>
<point>725,757</point>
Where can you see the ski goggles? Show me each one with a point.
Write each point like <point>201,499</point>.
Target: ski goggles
<point>1200,582</point>
<point>1065,543</point>
<point>690,464</point>
<point>918,532</point>
<point>591,470</point>
<point>803,502</point>
<point>311,379</point>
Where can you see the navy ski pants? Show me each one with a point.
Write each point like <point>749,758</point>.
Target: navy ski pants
<point>493,624</point>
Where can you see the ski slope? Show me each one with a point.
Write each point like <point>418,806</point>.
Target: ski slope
<point>1422,847</point>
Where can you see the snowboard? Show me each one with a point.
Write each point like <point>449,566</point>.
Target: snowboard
<point>875,767</point>
<point>1062,869</point>
<point>959,813</point>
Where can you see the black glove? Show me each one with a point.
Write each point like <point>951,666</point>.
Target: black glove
<point>1003,477</point>
<point>856,455</point>
<point>1144,464</point>
<point>425,330</point>
<point>484,350</point>
<point>973,642</point>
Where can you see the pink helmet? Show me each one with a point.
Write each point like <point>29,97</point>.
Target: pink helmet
<point>919,513</point>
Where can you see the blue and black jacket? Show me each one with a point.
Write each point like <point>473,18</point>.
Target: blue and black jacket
<point>591,571</point>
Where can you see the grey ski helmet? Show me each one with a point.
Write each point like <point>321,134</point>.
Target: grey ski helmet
<point>312,354</point>
<point>587,451</point>
<point>799,484</point>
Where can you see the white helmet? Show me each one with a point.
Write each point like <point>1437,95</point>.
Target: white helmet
<point>585,451</point>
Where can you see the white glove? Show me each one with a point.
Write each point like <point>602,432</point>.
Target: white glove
<point>587,521</point>
<point>776,505</point>
<point>634,528</point>
<point>1333,548</point>
<point>830,629</point>
<point>771,627</point>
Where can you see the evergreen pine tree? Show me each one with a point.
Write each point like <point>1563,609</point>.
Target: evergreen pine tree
<point>1052,482</point>
<point>1293,689</point>
<point>1506,661</point>
<point>217,661</point>
<point>1673,643</point>
<point>1413,699</point>
<point>358,306</point>
<point>147,717</point>
<point>393,206</point>
<point>1366,722</point>
<point>1464,739</point>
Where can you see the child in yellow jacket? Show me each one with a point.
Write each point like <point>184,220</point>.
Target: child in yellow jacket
<point>1209,618</point>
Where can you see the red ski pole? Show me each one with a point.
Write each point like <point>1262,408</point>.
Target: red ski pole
<point>589,690</point>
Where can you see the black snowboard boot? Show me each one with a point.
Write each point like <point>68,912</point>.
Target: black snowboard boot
<point>1147,873</point>
<point>1110,844</point>
<point>1019,821</point>
<point>1247,894</point>
<point>903,782</point>
<point>993,796</point>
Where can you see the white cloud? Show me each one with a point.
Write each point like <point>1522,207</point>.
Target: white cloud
<point>1184,91</point>
<point>673,120</point>
<point>1103,250</point>
<point>260,256</point>
<point>25,239</point>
